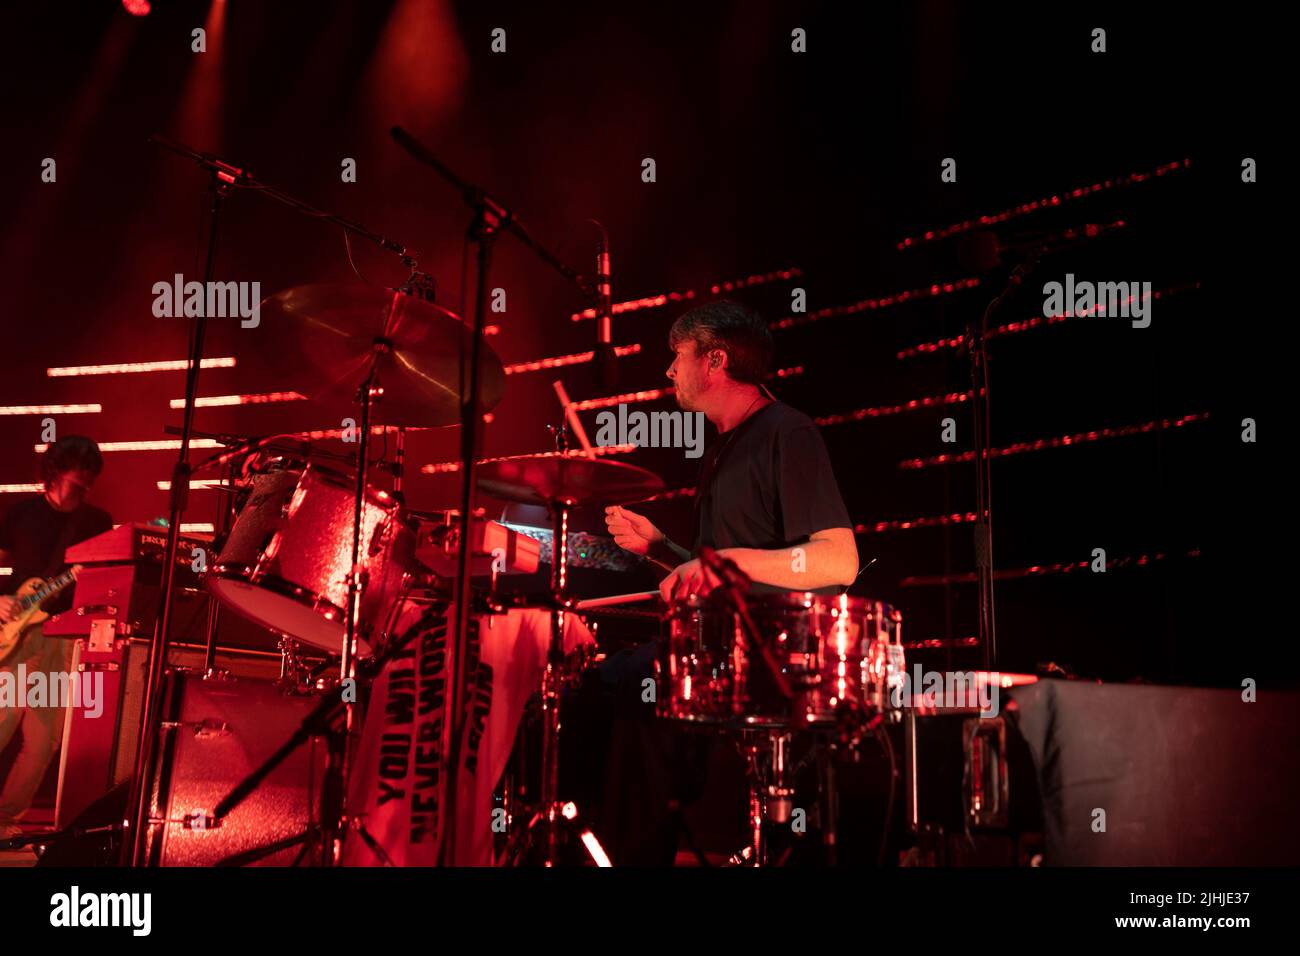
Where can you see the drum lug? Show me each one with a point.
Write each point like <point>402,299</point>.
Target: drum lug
<point>211,727</point>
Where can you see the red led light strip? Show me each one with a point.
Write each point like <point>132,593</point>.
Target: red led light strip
<point>163,444</point>
<point>1011,328</point>
<point>577,358</point>
<point>1061,441</point>
<point>127,368</point>
<point>867,305</point>
<point>879,410</point>
<point>906,525</point>
<point>338,432</point>
<point>939,643</point>
<point>93,409</point>
<point>1037,570</point>
<point>654,394</point>
<point>446,467</point>
<point>22,489</point>
<point>876,528</point>
<point>1048,202</point>
<point>263,398</point>
<point>627,398</point>
<point>656,301</point>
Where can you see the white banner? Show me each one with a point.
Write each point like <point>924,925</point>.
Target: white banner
<point>397,784</point>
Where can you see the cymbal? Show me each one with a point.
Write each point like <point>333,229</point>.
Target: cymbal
<point>571,479</point>
<point>328,332</point>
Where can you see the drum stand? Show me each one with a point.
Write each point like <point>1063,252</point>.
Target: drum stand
<point>554,821</point>
<point>771,791</point>
<point>770,773</point>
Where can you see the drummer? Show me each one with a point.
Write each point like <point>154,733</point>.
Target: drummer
<point>766,496</point>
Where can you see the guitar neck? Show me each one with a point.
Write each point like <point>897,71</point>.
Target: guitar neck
<point>47,590</point>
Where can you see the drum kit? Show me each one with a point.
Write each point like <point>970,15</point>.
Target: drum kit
<point>313,550</point>
<point>762,668</point>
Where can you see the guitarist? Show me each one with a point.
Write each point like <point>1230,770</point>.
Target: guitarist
<point>34,535</point>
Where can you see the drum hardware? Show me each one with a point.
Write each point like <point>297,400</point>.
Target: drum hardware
<point>561,481</point>
<point>354,331</point>
<point>285,563</point>
<point>296,674</point>
<point>834,653</point>
<point>399,375</point>
<point>770,773</point>
<point>222,176</point>
<point>734,584</point>
<point>771,792</point>
<point>490,217</point>
<point>323,721</point>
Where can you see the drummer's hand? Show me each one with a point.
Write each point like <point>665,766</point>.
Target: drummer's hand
<point>631,531</point>
<point>689,578</point>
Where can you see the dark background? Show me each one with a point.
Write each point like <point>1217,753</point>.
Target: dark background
<point>766,160</point>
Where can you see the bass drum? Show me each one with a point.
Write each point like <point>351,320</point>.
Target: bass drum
<point>837,655</point>
<point>223,729</point>
<point>286,561</point>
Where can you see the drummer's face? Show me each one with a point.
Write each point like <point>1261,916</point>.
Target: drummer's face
<point>689,373</point>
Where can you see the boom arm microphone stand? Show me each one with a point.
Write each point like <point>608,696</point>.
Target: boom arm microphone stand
<point>977,347</point>
<point>224,177</point>
<point>133,844</point>
<point>490,218</point>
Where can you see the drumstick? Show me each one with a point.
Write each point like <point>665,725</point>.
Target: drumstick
<point>574,421</point>
<point>616,599</point>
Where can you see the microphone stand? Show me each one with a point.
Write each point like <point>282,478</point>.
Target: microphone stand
<point>137,807</point>
<point>977,347</point>
<point>490,218</point>
<point>224,177</point>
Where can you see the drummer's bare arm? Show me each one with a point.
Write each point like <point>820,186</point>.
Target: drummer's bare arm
<point>638,534</point>
<point>828,558</point>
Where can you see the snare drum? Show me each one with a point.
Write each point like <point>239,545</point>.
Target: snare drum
<point>286,561</point>
<point>836,653</point>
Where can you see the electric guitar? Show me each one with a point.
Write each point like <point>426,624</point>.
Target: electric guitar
<point>27,608</point>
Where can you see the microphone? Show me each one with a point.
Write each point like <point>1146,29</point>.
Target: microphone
<point>985,251</point>
<point>605,359</point>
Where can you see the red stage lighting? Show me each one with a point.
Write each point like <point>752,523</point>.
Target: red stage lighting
<point>137,8</point>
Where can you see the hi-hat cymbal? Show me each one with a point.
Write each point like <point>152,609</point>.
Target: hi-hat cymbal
<point>571,479</point>
<point>330,332</point>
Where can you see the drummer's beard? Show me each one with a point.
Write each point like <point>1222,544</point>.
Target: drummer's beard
<point>688,393</point>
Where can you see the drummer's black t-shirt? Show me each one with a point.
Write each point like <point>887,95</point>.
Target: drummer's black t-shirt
<point>32,532</point>
<point>768,484</point>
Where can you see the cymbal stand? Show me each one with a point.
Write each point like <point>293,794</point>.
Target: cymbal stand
<point>335,824</point>
<point>224,178</point>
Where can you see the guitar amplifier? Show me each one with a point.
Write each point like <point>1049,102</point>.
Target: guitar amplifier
<point>99,742</point>
<point>121,578</point>
<point>129,594</point>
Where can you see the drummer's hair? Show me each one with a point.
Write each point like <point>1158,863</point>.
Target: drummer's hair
<point>736,330</point>
<point>71,453</point>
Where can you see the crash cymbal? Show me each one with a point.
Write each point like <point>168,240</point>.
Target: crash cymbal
<point>326,335</point>
<point>571,478</point>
